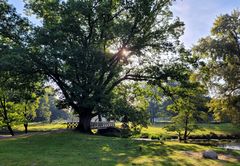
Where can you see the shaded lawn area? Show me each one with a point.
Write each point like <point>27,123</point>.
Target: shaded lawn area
<point>223,128</point>
<point>72,148</point>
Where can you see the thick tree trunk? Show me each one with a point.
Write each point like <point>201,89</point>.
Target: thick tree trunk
<point>185,137</point>
<point>99,117</point>
<point>10,129</point>
<point>84,122</point>
<point>26,127</point>
<point>26,121</point>
<point>186,130</point>
<point>6,120</point>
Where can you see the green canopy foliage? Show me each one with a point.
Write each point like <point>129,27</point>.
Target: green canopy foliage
<point>219,59</point>
<point>18,89</point>
<point>88,47</point>
<point>187,101</point>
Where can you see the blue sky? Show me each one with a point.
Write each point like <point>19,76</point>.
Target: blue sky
<point>198,15</point>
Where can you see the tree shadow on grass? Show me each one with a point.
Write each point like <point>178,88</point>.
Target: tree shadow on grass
<point>72,148</point>
<point>151,153</point>
<point>140,153</point>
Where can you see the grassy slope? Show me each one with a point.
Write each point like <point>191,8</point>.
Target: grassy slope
<point>71,148</point>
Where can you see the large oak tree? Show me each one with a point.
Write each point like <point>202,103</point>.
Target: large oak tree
<point>87,47</point>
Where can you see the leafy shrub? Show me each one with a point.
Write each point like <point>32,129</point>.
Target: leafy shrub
<point>155,137</point>
<point>144,135</point>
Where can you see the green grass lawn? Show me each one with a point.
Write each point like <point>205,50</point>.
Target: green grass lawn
<point>224,128</point>
<point>152,130</point>
<point>32,127</point>
<point>72,148</point>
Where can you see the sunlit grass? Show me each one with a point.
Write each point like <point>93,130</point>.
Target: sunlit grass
<point>152,130</point>
<point>222,128</point>
<point>156,130</point>
<point>41,127</point>
<point>225,128</point>
<point>72,148</point>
